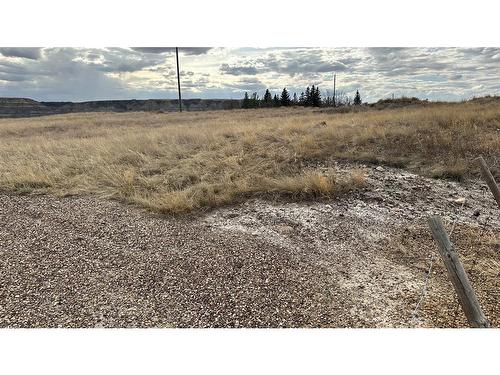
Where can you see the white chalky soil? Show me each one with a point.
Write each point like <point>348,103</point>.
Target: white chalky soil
<point>358,261</point>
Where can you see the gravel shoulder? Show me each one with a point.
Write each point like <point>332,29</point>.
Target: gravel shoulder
<point>358,261</point>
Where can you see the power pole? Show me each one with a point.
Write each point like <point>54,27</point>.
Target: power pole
<point>334,83</point>
<point>178,78</point>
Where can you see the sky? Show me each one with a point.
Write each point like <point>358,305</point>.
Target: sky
<point>81,74</point>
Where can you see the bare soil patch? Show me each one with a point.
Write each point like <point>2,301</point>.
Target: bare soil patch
<point>356,261</point>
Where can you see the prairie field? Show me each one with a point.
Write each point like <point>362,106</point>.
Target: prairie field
<point>171,162</point>
<point>329,231</point>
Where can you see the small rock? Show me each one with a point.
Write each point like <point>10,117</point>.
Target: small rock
<point>476,213</point>
<point>460,200</point>
<point>284,228</point>
<point>380,169</point>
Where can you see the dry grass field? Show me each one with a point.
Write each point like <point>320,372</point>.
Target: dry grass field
<point>358,259</point>
<point>170,162</point>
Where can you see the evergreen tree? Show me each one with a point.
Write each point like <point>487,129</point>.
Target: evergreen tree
<point>357,98</point>
<point>316,97</point>
<point>307,97</point>
<point>295,101</point>
<point>302,99</point>
<point>254,102</point>
<point>276,101</point>
<point>285,98</point>
<point>268,99</point>
<point>246,101</point>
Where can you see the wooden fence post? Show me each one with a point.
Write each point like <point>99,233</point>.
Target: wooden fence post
<point>490,181</point>
<point>456,272</point>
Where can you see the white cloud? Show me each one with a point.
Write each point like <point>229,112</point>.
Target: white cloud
<point>142,72</point>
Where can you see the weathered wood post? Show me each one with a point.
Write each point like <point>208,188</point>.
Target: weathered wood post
<point>456,272</point>
<point>490,181</point>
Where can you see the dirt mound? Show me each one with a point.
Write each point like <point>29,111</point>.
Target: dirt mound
<point>381,105</point>
<point>399,103</point>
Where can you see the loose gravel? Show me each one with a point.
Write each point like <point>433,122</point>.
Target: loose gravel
<point>359,261</point>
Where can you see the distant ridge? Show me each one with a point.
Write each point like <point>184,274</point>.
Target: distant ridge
<point>19,107</point>
<point>24,107</point>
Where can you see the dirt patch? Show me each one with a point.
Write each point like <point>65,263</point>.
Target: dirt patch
<point>359,261</point>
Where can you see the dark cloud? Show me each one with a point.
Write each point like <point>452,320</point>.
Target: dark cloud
<point>8,67</point>
<point>33,53</point>
<point>252,84</point>
<point>169,73</point>
<point>383,52</point>
<point>12,77</point>
<point>16,71</point>
<point>485,56</point>
<point>399,62</point>
<point>153,49</point>
<point>238,70</point>
<point>198,83</point>
<point>58,77</point>
<point>124,66</point>
<point>121,60</point>
<point>404,61</point>
<point>304,62</point>
<point>93,56</point>
<point>185,50</point>
<point>195,50</point>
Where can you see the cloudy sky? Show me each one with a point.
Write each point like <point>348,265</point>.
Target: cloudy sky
<point>79,74</point>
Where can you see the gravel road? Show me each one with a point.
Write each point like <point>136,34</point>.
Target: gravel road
<point>359,261</point>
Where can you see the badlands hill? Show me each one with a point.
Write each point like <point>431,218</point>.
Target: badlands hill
<point>23,107</point>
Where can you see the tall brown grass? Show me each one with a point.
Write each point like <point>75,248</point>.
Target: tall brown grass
<point>176,162</point>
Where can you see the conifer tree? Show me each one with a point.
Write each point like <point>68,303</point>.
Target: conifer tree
<point>276,101</point>
<point>295,100</point>
<point>302,99</point>
<point>316,98</point>
<point>285,98</point>
<point>254,101</point>
<point>246,101</point>
<point>268,99</point>
<point>357,98</point>
<point>307,97</point>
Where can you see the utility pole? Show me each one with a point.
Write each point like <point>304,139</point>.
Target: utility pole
<point>178,78</point>
<point>334,83</point>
